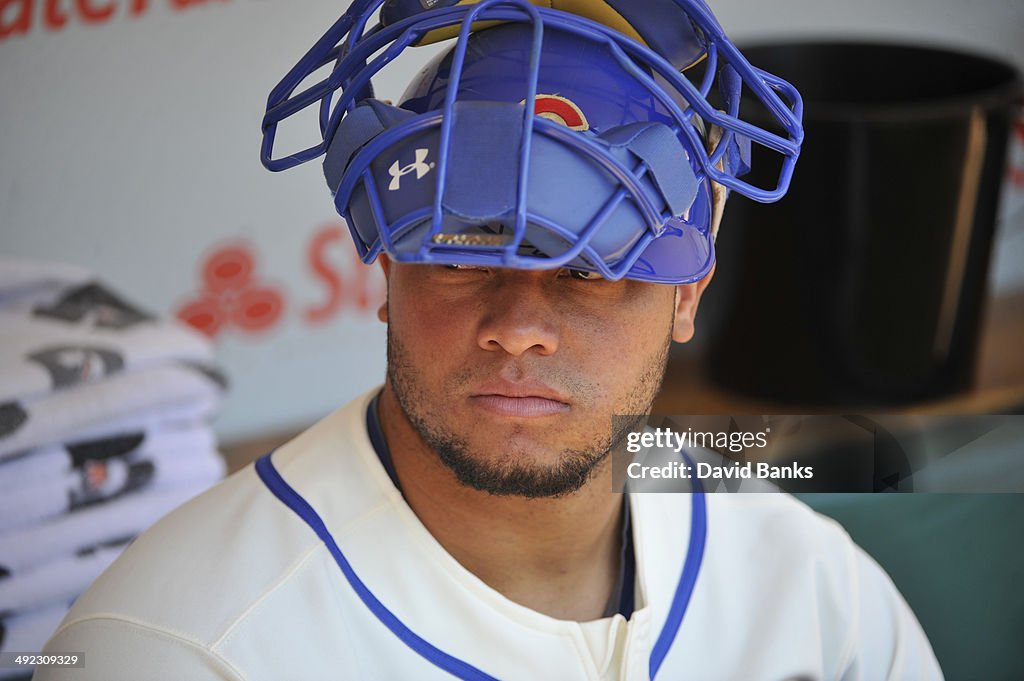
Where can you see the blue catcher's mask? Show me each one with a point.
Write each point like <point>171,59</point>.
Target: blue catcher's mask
<point>542,139</point>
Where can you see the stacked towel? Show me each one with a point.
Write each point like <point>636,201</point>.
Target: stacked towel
<point>104,415</point>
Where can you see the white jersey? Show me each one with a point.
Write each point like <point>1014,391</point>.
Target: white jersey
<point>238,585</point>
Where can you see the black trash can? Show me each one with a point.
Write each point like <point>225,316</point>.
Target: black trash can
<point>865,285</point>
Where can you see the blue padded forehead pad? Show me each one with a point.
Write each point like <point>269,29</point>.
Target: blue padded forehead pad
<point>566,204</point>
<point>482,174</point>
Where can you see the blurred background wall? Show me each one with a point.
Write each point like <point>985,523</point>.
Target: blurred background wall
<point>129,145</point>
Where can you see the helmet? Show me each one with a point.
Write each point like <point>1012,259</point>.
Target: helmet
<point>542,138</point>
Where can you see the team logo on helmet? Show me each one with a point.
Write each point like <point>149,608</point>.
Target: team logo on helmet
<point>560,110</point>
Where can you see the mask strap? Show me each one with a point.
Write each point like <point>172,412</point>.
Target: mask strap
<point>666,160</point>
<point>369,119</point>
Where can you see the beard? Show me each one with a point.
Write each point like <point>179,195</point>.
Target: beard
<point>515,475</point>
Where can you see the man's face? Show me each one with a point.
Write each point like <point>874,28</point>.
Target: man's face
<point>512,377</point>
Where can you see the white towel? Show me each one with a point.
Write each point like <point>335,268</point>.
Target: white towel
<point>28,633</point>
<point>156,441</point>
<point>86,335</point>
<point>32,464</point>
<point>26,548</point>
<point>76,413</point>
<point>102,481</point>
<point>27,282</point>
<point>56,582</point>
<point>63,292</point>
<point>172,416</point>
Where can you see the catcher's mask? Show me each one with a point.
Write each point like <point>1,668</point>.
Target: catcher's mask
<point>543,138</point>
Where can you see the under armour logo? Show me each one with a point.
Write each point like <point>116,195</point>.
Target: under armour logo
<point>419,166</point>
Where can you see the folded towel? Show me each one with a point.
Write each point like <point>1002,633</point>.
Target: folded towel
<point>101,481</point>
<point>78,412</point>
<point>172,416</point>
<point>156,441</point>
<point>25,282</point>
<point>40,353</point>
<point>26,548</point>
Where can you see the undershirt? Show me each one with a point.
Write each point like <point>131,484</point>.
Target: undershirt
<point>622,600</point>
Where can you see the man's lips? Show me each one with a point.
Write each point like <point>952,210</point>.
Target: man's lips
<point>523,400</point>
<point>522,407</point>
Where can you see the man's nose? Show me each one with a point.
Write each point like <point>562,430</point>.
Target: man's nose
<point>521,317</point>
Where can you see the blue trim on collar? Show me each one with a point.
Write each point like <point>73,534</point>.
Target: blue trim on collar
<point>283,491</point>
<point>688,578</point>
<point>627,567</point>
<point>463,670</point>
<point>380,444</point>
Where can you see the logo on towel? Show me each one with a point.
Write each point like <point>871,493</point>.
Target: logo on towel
<point>101,481</point>
<point>12,417</point>
<point>560,110</point>
<point>419,166</point>
<point>71,364</point>
<point>93,305</point>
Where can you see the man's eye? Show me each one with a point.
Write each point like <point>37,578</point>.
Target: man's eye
<point>583,275</point>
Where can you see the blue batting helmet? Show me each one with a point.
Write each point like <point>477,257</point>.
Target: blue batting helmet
<point>542,139</point>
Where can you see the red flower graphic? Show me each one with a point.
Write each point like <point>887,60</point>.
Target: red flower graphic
<point>231,295</point>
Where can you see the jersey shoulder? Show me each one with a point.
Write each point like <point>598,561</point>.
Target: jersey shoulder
<point>797,573</point>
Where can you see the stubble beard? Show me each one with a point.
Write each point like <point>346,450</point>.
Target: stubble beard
<point>572,469</point>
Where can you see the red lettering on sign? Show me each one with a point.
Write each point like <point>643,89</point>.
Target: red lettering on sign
<point>356,286</point>
<point>232,295</point>
<point>94,15</point>
<point>322,270</point>
<point>21,21</point>
<point>53,17</point>
<point>17,16</point>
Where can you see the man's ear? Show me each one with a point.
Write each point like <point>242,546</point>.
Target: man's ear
<point>687,300</point>
<point>385,265</point>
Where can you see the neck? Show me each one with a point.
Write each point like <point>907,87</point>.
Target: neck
<point>558,556</point>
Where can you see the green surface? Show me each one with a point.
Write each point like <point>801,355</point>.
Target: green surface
<point>958,559</point>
